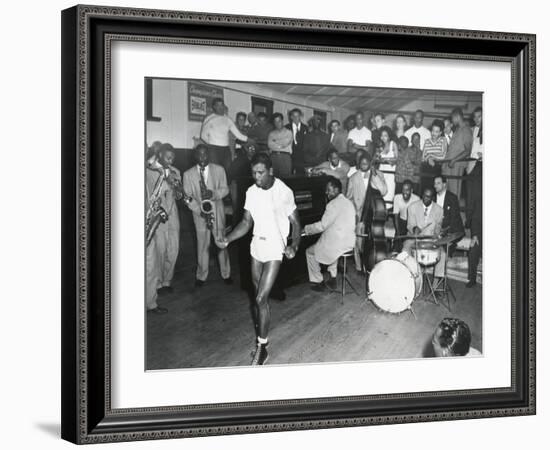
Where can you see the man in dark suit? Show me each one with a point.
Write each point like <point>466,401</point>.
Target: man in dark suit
<point>299,130</point>
<point>452,221</point>
<point>316,144</point>
<point>474,221</point>
<point>339,139</point>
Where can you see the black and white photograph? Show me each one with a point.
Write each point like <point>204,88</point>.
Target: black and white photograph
<point>300,223</point>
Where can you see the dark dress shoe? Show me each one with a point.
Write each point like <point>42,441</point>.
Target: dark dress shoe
<point>332,283</point>
<point>277,294</point>
<point>228,280</point>
<point>165,290</point>
<point>158,310</point>
<point>199,283</point>
<point>471,283</point>
<point>317,287</point>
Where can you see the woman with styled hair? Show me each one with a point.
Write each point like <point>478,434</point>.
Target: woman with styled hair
<point>388,152</point>
<point>434,151</point>
<point>399,126</point>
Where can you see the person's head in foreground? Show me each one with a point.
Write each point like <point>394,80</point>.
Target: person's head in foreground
<point>262,170</point>
<point>452,337</point>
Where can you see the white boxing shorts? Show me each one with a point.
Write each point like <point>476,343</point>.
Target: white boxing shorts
<point>266,249</point>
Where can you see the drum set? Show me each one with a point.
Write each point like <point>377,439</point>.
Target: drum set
<point>396,282</point>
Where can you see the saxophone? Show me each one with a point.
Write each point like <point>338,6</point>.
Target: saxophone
<point>207,205</point>
<point>156,214</point>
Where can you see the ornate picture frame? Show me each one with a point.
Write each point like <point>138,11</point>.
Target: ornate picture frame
<point>87,35</point>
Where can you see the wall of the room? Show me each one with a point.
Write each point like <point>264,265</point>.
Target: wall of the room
<point>436,109</point>
<point>170,103</point>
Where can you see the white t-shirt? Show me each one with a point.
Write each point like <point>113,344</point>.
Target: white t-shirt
<point>400,206</point>
<point>270,209</point>
<point>422,131</point>
<point>360,137</point>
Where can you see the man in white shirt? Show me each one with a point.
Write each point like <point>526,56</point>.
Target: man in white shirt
<point>271,210</point>
<point>448,129</point>
<point>418,127</point>
<point>279,142</point>
<point>401,202</point>
<point>360,137</point>
<point>215,133</point>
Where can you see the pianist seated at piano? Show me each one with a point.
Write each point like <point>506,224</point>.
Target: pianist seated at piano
<point>425,218</point>
<point>337,228</point>
<point>334,167</point>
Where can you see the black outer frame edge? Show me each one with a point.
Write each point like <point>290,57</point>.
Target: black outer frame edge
<point>69,216</point>
<point>98,423</point>
<point>526,110</point>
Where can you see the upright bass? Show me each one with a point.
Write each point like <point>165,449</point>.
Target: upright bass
<point>373,217</point>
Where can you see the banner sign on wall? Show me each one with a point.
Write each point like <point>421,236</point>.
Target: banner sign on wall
<point>200,99</point>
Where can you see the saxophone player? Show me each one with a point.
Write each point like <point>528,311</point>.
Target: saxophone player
<point>163,185</point>
<point>205,184</point>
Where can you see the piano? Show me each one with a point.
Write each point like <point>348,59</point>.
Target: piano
<point>309,195</point>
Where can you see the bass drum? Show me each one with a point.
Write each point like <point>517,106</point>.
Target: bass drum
<point>394,283</point>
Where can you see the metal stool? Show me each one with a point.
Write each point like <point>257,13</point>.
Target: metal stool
<point>345,278</point>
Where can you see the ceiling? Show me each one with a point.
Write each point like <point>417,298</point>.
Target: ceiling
<point>375,99</point>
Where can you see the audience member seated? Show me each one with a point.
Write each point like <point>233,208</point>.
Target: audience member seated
<point>334,167</point>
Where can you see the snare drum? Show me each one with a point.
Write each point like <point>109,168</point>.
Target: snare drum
<point>394,283</point>
<point>426,252</point>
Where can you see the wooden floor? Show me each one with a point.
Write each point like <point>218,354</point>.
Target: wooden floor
<point>212,326</point>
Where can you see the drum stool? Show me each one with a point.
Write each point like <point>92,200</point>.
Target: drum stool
<point>345,279</point>
<point>443,286</point>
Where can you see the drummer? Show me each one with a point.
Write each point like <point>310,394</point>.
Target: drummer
<point>424,218</point>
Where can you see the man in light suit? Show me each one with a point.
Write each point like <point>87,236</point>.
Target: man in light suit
<point>357,190</point>
<point>424,218</point>
<point>338,236</point>
<point>216,189</point>
<point>160,169</point>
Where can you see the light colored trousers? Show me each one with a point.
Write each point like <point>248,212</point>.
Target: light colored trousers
<point>151,275</point>
<point>167,240</point>
<point>454,185</point>
<point>439,270</point>
<point>314,268</point>
<point>203,250</point>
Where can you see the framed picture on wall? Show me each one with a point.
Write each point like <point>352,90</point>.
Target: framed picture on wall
<point>236,244</point>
